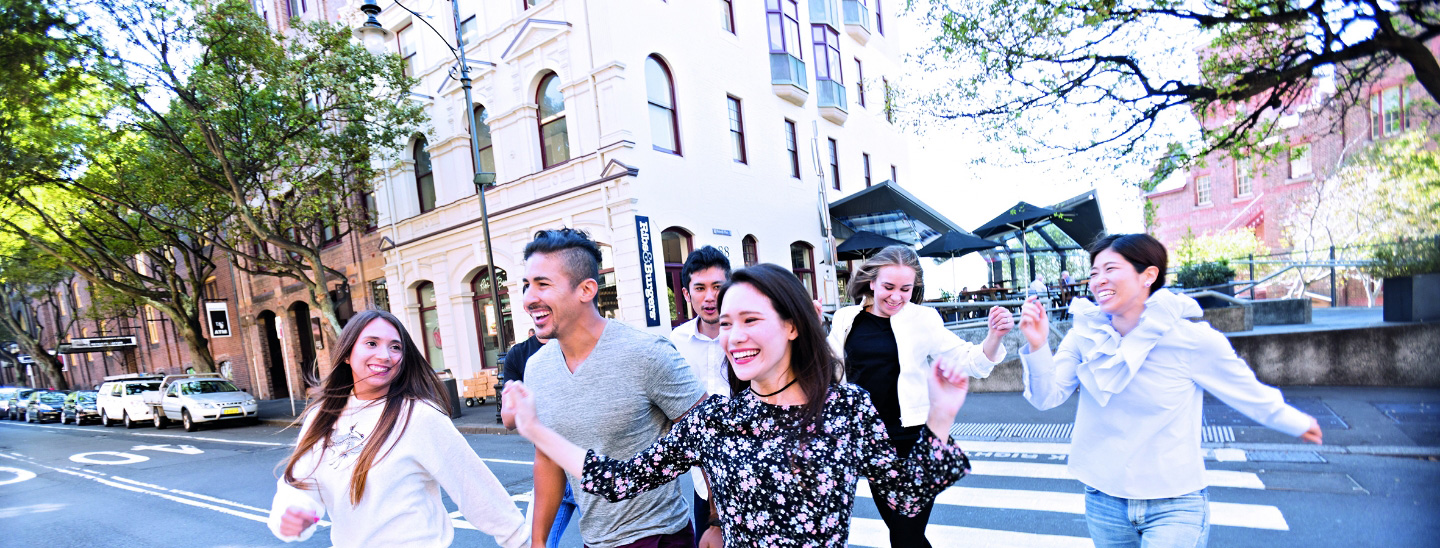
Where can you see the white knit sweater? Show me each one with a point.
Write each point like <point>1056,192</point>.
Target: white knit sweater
<point>401,505</point>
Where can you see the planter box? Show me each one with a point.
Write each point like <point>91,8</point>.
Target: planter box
<point>1212,302</point>
<point>1412,298</point>
<point>1281,311</point>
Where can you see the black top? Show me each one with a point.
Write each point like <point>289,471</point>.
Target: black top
<point>872,362</point>
<point>771,491</point>
<point>517,356</point>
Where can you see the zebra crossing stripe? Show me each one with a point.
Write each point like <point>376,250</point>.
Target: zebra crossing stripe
<point>1015,447</point>
<point>1254,516</point>
<point>1214,478</point>
<point>873,533</point>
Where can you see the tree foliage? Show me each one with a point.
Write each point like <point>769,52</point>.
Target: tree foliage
<point>1125,69</point>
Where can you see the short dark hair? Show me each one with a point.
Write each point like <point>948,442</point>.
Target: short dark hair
<point>582,254</point>
<point>701,259</point>
<point>1140,250</point>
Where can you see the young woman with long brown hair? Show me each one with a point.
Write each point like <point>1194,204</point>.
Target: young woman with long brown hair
<point>377,446</point>
<point>785,453</point>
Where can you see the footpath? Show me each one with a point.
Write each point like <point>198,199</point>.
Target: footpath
<point>1403,422</point>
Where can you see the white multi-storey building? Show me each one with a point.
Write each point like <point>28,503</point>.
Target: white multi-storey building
<point>655,126</point>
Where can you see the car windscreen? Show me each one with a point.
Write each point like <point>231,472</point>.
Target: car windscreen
<point>211,387</point>
<point>138,388</point>
<point>52,397</point>
<point>87,396</point>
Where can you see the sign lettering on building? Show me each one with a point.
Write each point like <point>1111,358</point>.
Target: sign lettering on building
<point>218,314</point>
<point>647,272</point>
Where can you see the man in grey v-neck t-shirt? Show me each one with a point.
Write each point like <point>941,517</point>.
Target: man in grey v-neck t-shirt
<point>618,402</point>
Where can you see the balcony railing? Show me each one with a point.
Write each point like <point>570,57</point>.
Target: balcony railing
<point>832,94</point>
<point>787,74</point>
<point>857,21</point>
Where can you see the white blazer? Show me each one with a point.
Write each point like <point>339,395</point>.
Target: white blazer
<point>921,338</point>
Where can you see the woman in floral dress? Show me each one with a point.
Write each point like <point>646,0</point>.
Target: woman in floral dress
<point>785,454</point>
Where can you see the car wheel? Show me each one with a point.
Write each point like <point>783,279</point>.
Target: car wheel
<point>160,421</point>
<point>187,422</point>
<point>125,417</point>
<point>469,402</point>
<point>105,419</point>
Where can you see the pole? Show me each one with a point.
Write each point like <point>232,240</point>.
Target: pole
<point>479,186</point>
<point>1332,276</point>
<point>1252,276</point>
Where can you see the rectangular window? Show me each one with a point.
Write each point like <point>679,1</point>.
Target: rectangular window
<point>737,130</point>
<point>834,164</point>
<point>879,20</point>
<point>152,331</point>
<point>859,82</point>
<point>1300,161</point>
<point>408,40</point>
<point>1202,190</point>
<point>889,100</point>
<point>1244,177</point>
<point>793,147</point>
<point>329,233</point>
<point>727,15</point>
<point>211,291</point>
<point>782,23</point>
<point>827,53</point>
<point>893,177</point>
<point>380,294</point>
<point>469,22</point>
<point>372,211</point>
<point>866,157</point>
<point>1387,112</point>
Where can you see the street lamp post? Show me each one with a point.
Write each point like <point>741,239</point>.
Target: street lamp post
<point>372,30</point>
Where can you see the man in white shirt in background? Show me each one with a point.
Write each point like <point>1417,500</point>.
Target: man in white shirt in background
<point>706,270</point>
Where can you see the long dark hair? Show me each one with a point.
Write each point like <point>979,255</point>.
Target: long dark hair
<point>811,361</point>
<point>415,383</point>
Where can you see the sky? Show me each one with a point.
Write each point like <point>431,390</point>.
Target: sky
<point>940,169</point>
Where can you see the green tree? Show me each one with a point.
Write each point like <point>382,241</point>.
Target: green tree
<point>286,128</point>
<point>29,282</point>
<point>1027,63</point>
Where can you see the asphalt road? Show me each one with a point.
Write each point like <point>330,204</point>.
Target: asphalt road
<point>63,485</point>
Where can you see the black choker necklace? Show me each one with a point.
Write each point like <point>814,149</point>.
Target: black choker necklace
<point>751,388</point>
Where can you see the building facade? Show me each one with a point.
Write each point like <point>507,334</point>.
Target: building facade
<point>658,127</point>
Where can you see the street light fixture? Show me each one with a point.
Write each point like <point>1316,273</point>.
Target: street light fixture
<point>373,35</point>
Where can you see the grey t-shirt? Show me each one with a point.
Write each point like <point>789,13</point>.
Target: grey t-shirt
<point>620,400</point>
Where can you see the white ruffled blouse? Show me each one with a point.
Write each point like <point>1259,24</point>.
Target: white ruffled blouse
<point>1137,428</point>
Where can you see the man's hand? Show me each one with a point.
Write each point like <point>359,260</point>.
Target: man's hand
<point>1034,324</point>
<point>521,405</point>
<point>713,537</point>
<point>296,521</point>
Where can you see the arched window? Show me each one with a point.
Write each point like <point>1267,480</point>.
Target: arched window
<point>660,91</point>
<point>802,263</point>
<point>484,142</point>
<point>676,246</point>
<point>554,137</point>
<point>489,321</point>
<point>424,176</point>
<point>749,249</point>
<point>430,326</point>
<point>608,301</point>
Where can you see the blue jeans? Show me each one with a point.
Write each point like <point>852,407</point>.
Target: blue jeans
<point>562,518</point>
<point>1183,521</point>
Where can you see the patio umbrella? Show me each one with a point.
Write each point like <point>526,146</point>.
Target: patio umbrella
<point>954,244</point>
<point>1019,217</point>
<point>863,244</point>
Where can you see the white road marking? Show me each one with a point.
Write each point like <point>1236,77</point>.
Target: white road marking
<point>872,532</point>
<point>166,496</point>
<point>183,449</point>
<point>189,494</point>
<point>220,440</point>
<point>20,475</point>
<point>1015,447</point>
<point>507,461</point>
<point>1215,478</point>
<point>125,458</point>
<point>1229,455</point>
<point>1255,516</point>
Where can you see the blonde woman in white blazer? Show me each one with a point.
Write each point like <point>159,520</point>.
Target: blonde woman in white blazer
<point>889,343</point>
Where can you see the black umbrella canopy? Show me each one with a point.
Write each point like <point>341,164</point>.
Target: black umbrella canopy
<point>956,243</point>
<point>1019,216</point>
<point>863,244</point>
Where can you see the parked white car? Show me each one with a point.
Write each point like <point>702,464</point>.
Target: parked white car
<point>200,398</point>
<point>119,399</point>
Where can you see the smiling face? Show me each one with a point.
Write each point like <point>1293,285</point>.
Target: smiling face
<point>892,288</point>
<point>704,291</point>
<point>376,358</point>
<point>551,298</point>
<point>1119,288</point>
<point>754,336</point>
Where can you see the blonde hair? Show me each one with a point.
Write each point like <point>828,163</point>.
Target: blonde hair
<point>895,255</point>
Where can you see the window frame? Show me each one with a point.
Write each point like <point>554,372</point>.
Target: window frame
<point>541,122</point>
<point>805,273</point>
<point>736,109</point>
<point>1306,156</point>
<point>894,175</point>
<point>866,157</point>
<point>750,250</point>
<point>787,22</point>
<point>728,7</point>
<point>879,20</point>
<point>480,120</point>
<point>834,162</point>
<point>1244,177</point>
<point>501,298</point>
<point>673,110</point>
<point>1204,186</point>
<point>369,206</point>
<point>424,328</point>
<point>680,306</point>
<point>421,145</point>
<point>889,101</point>
<point>833,68</point>
<point>792,146</point>
<point>400,36</point>
<point>1380,114</point>
<point>860,82</point>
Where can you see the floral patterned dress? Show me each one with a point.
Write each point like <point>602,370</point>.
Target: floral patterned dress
<point>771,493</point>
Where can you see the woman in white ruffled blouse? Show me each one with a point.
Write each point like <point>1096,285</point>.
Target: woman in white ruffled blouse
<point>1140,364</point>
